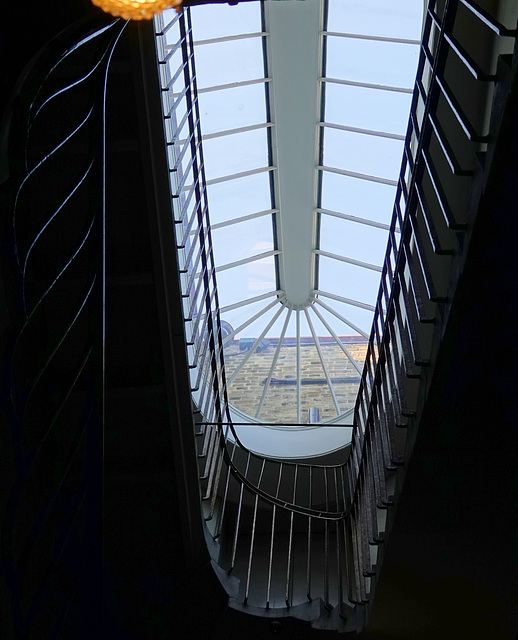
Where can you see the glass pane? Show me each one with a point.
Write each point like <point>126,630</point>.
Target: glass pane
<point>246,281</point>
<point>219,20</point>
<point>362,153</point>
<point>291,330</point>
<point>172,35</point>
<point>353,240</point>
<point>235,153</point>
<point>236,317</point>
<point>367,108</point>
<point>382,63</point>
<point>348,280</point>
<point>360,198</point>
<point>362,318</point>
<point>341,329</point>
<point>239,197</point>
<point>281,398</point>
<point>228,62</point>
<point>232,108</point>
<point>242,240</point>
<point>256,328</point>
<point>397,19</point>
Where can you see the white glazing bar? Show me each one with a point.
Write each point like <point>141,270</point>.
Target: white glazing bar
<point>231,132</point>
<point>251,351</point>
<point>340,317</point>
<point>238,263</point>
<point>161,27</point>
<point>357,263</point>
<point>322,361</point>
<point>235,176</point>
<point>366,221</point>
<point>243,303</point>
<point>360,176</point>
<point>366,85</point>
<point>239,36</point>
<point>249,321</point>
<point>294,104</point>
<point>232,85</point>
<point>359,36</point>
<point>367,132</point>
<point>338,341</point>
<point>171,50</point>
<point>272,367</point>
<point>354,303</point>
<point>251,216</point>
<point>298,368</point>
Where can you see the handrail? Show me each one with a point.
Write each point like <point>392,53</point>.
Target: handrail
<point>55,357</point>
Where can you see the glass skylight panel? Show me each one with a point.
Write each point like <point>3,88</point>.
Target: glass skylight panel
<point>360,280</point>
<point>240,315</point>
<point>371,155</point>
<point>345,319</point>
<point>371,62</point>
<point>358,241</point>
<point>395,19</point>
<point>311,350</point>
<point>229,62</point>
<point>232,108</point>
<point>246,281</point>
<point>239,197</point>
<point>382,111</point>
<point>366,48</point>
<point>235,153</point>
<point>242,240</point>
<point>360,198</point>
<point>218,21</point>
<point>266,313</point>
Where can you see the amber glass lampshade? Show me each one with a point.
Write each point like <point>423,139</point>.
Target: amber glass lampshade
<point>136,9</point>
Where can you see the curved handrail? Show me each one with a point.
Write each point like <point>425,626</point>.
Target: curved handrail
<point>51,324</point>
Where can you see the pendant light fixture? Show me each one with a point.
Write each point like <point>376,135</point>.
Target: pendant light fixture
<point>136,9</point>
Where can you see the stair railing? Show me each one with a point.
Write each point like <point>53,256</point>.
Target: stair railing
<point>438,194</point>
<point>53,366</point>
<point>437,197</point>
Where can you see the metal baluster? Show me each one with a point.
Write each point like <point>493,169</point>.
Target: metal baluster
<point>326,542</point>
<point>345,519</point>
<point>217,477</point>
<point>358,592</point>
<point>271,560</point>
<point>308,570</point>
<point>376,462</point>
<point>217,459</point>
<point>238,518</point>
<point>268,590</point>
<point>290,559</point>
<point>224,503</point>
<point>338,547</point>
<point>209,433</point>
<point>252,539</point>
<point>360,528</point>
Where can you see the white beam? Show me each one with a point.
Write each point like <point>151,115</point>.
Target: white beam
<point>295,61</point>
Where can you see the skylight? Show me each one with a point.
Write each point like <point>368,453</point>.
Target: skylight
<point>304,107</point>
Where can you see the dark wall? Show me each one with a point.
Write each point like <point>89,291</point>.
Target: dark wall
<point>450,565</point>
<point>137,584</point>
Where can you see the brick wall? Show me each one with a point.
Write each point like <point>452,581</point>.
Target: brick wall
<point>281,398</point>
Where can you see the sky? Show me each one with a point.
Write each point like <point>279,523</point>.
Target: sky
<point>342,198</point>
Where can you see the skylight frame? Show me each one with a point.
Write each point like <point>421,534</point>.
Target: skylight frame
<point>319,210</point>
